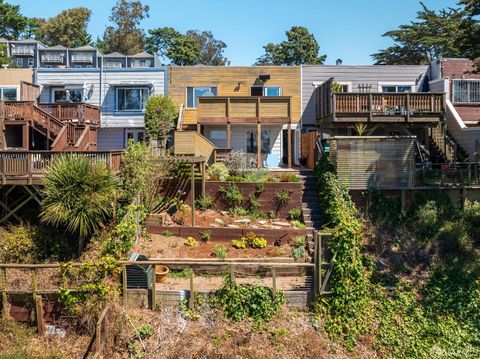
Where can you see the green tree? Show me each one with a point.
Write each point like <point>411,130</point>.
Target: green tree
<point>124,35</point>
<point>13,25</point>
<point>301,47</point>
<point>77,196</point>
<point>194,47</point>
<point>136,169</point>
<point>160,116</point>
<point>68,28</point>
<point>434,34</point>
<point>210,49</point>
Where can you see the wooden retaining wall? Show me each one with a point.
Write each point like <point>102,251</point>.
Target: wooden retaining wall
<point>227,234</point>
<point>266,197</point>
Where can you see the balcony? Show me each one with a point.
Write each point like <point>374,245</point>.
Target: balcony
<point>341,107</point>
<point>81,112</point>
<point>237,109</point>
<point>53,58</point>
<point>82,58</point>
<point>23,50</point>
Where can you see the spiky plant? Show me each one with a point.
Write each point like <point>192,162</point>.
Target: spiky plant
<point>77,195</point>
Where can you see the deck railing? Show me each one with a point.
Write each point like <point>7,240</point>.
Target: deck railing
<point>82,112</point>
<point>244,109</point>
<point>34,163</point>
<point>220,154</point>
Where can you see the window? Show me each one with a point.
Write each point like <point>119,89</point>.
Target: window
<point>67,95</point>
<point>132,98</point>
<point>31,62</point>
<point>8,94</point>
<point>395,88</point>
<point>135,135</point>
<point>141,63</point>
<point>114,64</point>
<point>19,62</point>
<point>466,91</point>
<point>252,142</point>
<point>265,91</point>
<point>193,93</point>
<point>218,137</point>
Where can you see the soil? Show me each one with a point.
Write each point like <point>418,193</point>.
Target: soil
<point>212,218</point>
<point>159,246</point>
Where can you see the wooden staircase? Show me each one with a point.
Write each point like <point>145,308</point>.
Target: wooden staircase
<point>63,134</point>
<point>445,147</point>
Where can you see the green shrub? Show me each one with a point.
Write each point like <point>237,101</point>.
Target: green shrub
<point>232,196</point>
<point>206,235</point>
<point>235,179</point>
<point>218,171</point>
<point>298,241</point>
<point>427,220</point>
<point>259,242</point>
<point>289,177</point>
<point>297,253</point>
<point>382,209</point>
<point>271,179</point>
<point>239,244</point>
<point>190,242</point>
<point>295,214</point>
<point>253,204</point>
<point>204,202</point>
<point>298,225</point>
<point>145,331</point>
<point>167,233</point>
<point>242,301</point>
<point>282,197</point>
<point>238,163</point>
<point>258,175</point>
<point>220,251</point>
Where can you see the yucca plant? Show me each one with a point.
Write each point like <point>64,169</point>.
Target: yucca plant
<point>77,195</point>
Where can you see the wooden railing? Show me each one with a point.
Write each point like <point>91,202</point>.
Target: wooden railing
<point>219,154</point>
<point>17,109</point>
<point>192,143</point>
<point>244,109</point>
<point>34,163</point>
<point>409,106</point>
<point>82,112</point>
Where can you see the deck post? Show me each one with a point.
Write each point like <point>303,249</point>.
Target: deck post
<point>4,284</point>
<point>192,192</point>
<point>124,285</point>
<point>229,134</point>
<point>289,144</point>
<point>274,281</point>
<point>204,175</point>
<point>25,140</point>
<point>259,144</point>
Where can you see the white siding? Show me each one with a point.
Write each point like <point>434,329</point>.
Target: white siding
<point>467,137</point>
<point>372,75</point>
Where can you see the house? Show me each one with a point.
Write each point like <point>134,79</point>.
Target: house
<point>120,88</point>
<point>25,53</point>
<point>459,79</point>
<point>380,100</point>
<point>237,108</point>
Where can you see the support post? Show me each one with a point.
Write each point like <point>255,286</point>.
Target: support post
<point>229,135</point>
<point>25,139</point>
<point>124,285</point>
<point>192,191</point>
<point>204,175</point>
<point>154,291</point>
<point>191,299</point>
<point>259,144</point>
<point>274,281</point>
<point>4,285</point>
<point>289,145</point>
<point>403,201</point>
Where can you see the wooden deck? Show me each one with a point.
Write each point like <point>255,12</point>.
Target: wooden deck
<point>342,107</point>
<point>27,167</point>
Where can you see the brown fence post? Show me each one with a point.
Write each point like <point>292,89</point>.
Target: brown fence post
<point>274,281</point>
<point>4,285</point>
<point>124,285</point>
<point>191,299</point>
<point>37,301</point>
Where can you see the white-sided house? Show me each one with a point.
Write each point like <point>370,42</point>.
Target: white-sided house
<point>121,93</point>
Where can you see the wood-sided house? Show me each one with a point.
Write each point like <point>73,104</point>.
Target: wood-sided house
<point>253,110</point>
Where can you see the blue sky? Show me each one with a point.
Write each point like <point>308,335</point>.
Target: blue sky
<point>347,29</point>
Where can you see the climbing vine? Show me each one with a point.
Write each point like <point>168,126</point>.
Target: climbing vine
<point>344,311</point>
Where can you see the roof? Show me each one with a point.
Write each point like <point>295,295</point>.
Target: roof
<point>114,54</point>
<point>142,55</point>
<point>56,47</point>
<point>85,48</point>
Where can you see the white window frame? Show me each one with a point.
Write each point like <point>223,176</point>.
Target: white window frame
<point>19,61</point>
<point>195,106</point>
<point>31,62</point>
<point>464,80</point>
<point>131,88</point>
<point>397,83</point>
<point>113,64</point>
<point>141,63</point>
<point>17,89</point>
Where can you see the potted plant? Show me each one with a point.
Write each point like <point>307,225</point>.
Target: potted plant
<point>161,273</point>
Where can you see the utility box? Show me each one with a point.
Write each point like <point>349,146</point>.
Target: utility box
<point>139,276</point>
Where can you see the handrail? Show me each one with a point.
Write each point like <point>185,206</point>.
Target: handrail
<point>181,111</point>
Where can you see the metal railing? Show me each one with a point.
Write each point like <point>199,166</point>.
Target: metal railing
<point>447,174</point>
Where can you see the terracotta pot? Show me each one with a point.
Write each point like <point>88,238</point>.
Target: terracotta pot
<point>161,274</point>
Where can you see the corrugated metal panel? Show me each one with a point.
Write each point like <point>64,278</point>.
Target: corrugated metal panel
<point>382,162</point>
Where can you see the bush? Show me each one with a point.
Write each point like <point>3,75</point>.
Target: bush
<point>232,196</point>
<point>289,177</point>
<point>258,175</point>
<point>206,235</point>
<point>298,224</point>
<point>218,171</point>
<point>160,118</point>
<point>298,244</point>
<point>427,220</point>
<point>190,242</point>
<point>239,244</point>
<point>204,202</point>
<point>238,163</point>
<point>295,214</point>
<point>259,242</point>
<point>219,251</point>
<point>282,197</point>
<point>297,253</point>
<point>249,240</point>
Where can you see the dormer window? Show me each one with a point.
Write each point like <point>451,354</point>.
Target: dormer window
<point>83,57</point>
<point>113,63</point>
<point>23,50</point>
<point>141,63</point>
<point>466,91</point>
<point>56,57</point>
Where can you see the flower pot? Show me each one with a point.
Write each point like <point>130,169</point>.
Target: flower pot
<point>161,274</point>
